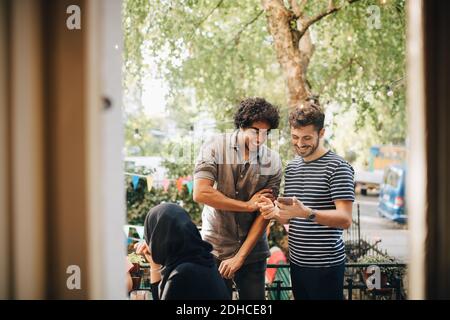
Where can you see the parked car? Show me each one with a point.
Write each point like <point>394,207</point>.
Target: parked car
<point>368,180</point>
<point>392,194</point>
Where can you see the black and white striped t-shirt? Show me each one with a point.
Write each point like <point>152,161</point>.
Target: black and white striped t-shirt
<point>318,184</point>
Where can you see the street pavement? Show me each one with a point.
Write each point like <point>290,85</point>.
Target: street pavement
<point>394,236</point>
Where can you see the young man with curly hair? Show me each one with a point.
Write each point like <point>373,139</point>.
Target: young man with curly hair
<point>231,174</point>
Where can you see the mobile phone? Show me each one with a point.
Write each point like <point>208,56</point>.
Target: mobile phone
<point>286,200</point>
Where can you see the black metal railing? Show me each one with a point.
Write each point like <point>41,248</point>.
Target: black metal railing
<point>357,244</point>
<point>352,237</point>
<point>354,280</point>
<point>391,287</point>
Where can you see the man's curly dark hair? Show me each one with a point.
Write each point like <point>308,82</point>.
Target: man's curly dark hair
<point>256,109</point>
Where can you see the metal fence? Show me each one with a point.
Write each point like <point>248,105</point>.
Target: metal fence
<point>355,282</point>
<point>357,244</point>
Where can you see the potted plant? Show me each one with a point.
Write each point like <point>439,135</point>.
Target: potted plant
<point>388,273</point>
<point>135,272</point>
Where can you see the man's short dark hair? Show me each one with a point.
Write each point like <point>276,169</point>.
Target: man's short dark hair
<point>308,113</point>
<point>252,110</point>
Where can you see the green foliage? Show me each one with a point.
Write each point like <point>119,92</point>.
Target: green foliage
<point>140,200</point>
<point>362,70</point>
<point>139,137</point>
<point>134,25</point>
<point>222,53</point>
<point>390,271</point>
<point>135,258</point>
<point>212,53</point>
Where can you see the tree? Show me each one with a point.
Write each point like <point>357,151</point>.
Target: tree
<point>141,134</point>
<point>289,27</point>
<point>213,53</point>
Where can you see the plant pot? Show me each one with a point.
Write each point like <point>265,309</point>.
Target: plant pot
<point>136,282</point>
<point>135,269</point>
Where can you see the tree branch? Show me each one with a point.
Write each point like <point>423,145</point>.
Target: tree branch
<point>303,5</point>
<point>219,3</point>
<point>295,8</point>
<point>331,9</point>
<point>272,4</point>
<point>245,26</point>
<point>330,4</point>
<point>334,76</point>
<point>198,24</point>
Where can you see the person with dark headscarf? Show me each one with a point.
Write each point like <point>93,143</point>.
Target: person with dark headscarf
<point>188,268</point>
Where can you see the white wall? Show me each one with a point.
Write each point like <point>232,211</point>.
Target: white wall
<point>107,195</point>
<point>417,166</point>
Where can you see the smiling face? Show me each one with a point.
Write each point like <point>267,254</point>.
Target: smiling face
<point>306,140</point>
<point>256,134</point>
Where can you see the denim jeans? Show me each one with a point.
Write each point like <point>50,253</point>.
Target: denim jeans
<point>249,280</point>
<point>324,283</point>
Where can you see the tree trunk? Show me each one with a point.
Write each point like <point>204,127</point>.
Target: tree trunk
<point>293,50</point>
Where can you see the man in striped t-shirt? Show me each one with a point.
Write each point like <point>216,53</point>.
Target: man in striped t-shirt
<point>322,185</point>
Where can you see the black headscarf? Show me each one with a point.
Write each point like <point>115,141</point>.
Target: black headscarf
<point>174,239</point>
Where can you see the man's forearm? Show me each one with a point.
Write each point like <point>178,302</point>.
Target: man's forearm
<point>218,200</point>
<point>329,218</point>
<point>256,231</point>
<point>334,218</point>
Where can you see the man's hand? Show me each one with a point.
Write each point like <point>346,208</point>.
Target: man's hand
<point>268,209</point>
<point>297,210</point>
<point>204,192</point>
<point>253,202</point>
<point>228,267</point>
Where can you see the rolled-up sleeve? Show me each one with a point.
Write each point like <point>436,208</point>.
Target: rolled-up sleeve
<point>206,163</point>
